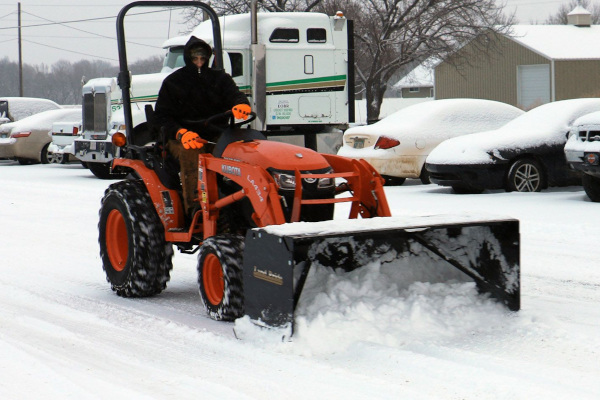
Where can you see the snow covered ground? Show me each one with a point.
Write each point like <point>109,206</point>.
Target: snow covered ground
<point>65,335</point>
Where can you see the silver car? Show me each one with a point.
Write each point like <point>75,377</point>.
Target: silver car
<point>27,140</point>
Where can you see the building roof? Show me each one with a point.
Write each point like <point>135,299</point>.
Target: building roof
<point>421,76</point>
<point>559,42</point>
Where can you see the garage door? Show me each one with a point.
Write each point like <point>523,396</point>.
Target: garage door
<point>533,85</point>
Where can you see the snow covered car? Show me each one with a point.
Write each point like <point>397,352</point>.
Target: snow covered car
<point>525,155</point>
<point>16,108</point>
<point>398,145</point>
<point>63,134</point>
<point>583,152</point>
<point>27,140</point>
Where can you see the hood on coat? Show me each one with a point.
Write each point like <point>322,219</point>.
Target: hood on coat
<point>191,43</point>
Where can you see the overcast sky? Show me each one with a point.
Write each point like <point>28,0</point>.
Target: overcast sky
<point>49,33</point>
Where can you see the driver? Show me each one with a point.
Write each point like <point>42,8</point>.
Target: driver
<point>192,93</point>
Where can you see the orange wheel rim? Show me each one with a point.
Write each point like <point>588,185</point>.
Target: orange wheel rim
<point>212,279</point>
<point>117,244</point>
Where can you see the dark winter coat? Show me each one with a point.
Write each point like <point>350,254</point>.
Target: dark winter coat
<point>195,94</point>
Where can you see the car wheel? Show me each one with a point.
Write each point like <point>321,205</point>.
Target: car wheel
<point>393,180</point>
<point>464,189</point>
<point>591,185</point>
<point>52,158</point>
<point>424,177</point>
<point>525,175</point>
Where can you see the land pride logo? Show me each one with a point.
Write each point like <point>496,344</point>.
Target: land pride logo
<point>266,275</point>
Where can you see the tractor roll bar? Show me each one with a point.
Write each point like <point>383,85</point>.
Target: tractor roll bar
<point>124,76</point>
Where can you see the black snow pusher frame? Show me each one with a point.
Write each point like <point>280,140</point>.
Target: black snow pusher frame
<point>277,260</point>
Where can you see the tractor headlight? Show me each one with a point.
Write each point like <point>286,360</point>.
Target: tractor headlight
<point>326,182</point>
<point>284,181</point>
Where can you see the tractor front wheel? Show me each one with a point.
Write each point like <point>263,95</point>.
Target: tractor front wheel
<point>135,256</point>
<point>220,269</point>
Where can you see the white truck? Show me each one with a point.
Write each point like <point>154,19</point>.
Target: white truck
<point>297,70</point>
<point>582,151</point>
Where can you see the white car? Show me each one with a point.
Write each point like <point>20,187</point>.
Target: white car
<point>398,145</point>
<point>63,134</point>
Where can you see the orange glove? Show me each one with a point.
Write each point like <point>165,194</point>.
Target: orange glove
<point>189,139</point>
<point>241,111</point>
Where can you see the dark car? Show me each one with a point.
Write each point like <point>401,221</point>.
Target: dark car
<point>525,155</point>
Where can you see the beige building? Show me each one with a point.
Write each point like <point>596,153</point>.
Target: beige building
<point>537,64</point>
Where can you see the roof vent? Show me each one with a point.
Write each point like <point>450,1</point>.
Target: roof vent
<point>579,17</point>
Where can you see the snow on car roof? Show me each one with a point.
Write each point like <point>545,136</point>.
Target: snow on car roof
<point>546,124</point>
<point>441,118</point>
<point>559,42</point>
<point>22,107</point>
<point>588,119</point>
<point>44,119</point>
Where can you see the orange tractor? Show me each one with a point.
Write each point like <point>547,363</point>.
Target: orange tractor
<point>265,217</point>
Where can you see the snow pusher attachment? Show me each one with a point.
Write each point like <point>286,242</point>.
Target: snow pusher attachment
<point>277,259</point>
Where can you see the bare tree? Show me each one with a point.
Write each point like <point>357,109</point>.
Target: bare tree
<point>394,36</point>
<point>560,18</point>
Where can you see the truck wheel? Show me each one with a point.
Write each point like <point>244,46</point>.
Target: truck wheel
<point>591,185</point>
<point>525,175</point>
<point>135,256</point>
<point>102,171</point>
<point>220,269</point>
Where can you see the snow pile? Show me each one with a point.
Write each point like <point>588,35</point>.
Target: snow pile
<point>383,304</point>
<point>395,304</point>
<point>545,125</point>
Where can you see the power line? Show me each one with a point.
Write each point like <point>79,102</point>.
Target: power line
<point>71,51</point>
<point>77,20</point>
<point>91,33</point>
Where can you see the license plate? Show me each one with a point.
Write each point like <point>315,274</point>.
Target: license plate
<point>359,143</point>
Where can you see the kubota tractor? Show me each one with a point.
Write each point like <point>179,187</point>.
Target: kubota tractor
<point>265,218</point>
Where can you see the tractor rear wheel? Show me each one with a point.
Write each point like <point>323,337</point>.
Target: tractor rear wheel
<point>220,269</point>
<point>135,256</point>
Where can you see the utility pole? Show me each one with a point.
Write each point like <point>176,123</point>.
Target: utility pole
<point>20,56</point>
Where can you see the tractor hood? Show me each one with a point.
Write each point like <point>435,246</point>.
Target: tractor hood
<point>281,156</point>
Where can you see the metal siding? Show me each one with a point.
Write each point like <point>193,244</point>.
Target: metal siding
<point>580,78</point>
<point>493,78</point>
